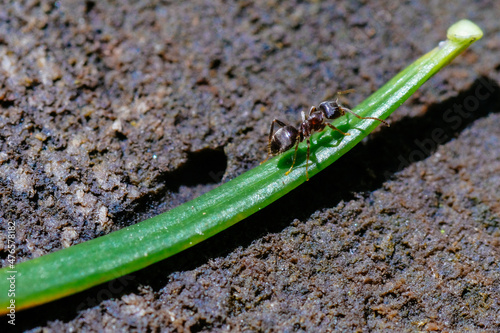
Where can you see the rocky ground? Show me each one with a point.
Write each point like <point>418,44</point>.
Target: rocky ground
<point>111,114</point>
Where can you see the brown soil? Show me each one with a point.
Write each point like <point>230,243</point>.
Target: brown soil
<point>112,114</point>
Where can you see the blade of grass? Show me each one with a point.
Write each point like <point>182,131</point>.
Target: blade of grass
<point>88,264</point>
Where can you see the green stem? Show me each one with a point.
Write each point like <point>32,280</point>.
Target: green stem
<point>105,258</point>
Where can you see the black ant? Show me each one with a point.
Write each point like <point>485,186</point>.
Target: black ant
<point>287,136</point>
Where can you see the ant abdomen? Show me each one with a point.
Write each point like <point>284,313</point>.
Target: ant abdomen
<point>283,139</point>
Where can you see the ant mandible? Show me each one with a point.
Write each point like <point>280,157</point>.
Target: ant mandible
<point>287,136</point>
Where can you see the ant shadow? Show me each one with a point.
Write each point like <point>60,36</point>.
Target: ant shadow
<point>362,170</point>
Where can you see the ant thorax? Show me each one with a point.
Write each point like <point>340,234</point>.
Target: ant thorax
<point>315,120</point>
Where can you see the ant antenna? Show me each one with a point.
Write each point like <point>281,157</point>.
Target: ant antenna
<point>359,117</point>
<point>344,92</point>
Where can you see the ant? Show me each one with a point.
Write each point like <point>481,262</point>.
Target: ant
<point>287,136</point>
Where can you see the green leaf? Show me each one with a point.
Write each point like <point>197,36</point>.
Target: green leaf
<point>105,258</point>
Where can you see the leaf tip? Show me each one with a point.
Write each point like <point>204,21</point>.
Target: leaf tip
<point>464,30</point>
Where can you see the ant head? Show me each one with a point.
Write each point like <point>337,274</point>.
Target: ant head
<point>331,109</point>
<point>283,139</point>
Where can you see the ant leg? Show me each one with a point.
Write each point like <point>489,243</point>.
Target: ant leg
<point>307,160</point>
<point>343,92</point>
<point>294,154</point>
<point>359,117</point>
<point>282,124</point>
<point>336,129</point>
<point>313,109</point>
